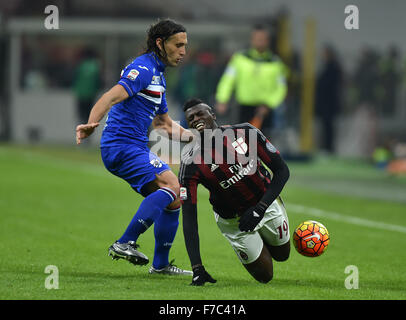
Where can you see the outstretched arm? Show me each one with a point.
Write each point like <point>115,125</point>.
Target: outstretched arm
<point>99,110</point>
<point>191,234</point>
<point>175,131</point>
<point>189,180</point>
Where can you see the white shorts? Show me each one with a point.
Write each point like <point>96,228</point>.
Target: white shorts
<point>273,229</point>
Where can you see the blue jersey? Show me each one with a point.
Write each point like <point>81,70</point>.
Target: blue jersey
<point>128,121</point>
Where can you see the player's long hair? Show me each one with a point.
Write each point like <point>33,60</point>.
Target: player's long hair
<point>163,29</point>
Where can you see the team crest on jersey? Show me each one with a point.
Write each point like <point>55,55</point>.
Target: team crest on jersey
<point>243,255</point>
<point>156,80</point>
<point>270,147</point>
<point>133,74</point>
<point>156,163</point>
<point>240,146</point>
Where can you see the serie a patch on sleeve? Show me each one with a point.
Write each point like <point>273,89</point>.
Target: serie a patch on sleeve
<point>270,147</point>
<point>133,74</point>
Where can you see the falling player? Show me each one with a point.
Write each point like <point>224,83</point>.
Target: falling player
<point>134,103</point>
<point>228,161</point>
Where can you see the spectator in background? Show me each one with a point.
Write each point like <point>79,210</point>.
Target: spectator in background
<point>207,61</point>
<point>187,83</point>
<point>328,96</point>
<point>366,79</point>
<point>197,76</point>
<point>86,83</point>
<point>259,79</point>
<point>389,71</point>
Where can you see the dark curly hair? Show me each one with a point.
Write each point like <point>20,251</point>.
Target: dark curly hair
<point>191,103</point>
<point>163,29</point>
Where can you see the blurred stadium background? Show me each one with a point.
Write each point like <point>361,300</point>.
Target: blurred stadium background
<point>52,192</point>
<point>37,96</point>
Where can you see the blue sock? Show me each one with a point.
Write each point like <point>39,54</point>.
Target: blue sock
<point>149,211</point>
<point>164,230</point>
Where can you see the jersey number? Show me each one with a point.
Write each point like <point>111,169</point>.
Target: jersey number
<point>283,229</point>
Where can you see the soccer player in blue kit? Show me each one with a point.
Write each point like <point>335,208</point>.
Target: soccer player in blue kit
<point>136,102</point>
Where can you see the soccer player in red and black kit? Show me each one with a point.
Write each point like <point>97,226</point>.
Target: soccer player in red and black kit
<point>229,162</point>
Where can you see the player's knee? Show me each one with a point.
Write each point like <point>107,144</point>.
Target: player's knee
<point>174,186</point>
<point>260,272</point>
<point>169,180</point>
<point>176,189</point>
<point>264,277</point>
<point>281,257</point>
<point>174,204</point>
<point>280,253</point>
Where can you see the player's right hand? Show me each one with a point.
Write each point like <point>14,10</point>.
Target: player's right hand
<point>85,130</point>
<point>250,218</point>
<point>201,276</point>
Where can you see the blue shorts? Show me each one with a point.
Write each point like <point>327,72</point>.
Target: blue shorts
<point>136,165</point>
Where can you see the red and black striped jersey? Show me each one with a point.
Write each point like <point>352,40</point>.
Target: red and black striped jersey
<point>230,164</point>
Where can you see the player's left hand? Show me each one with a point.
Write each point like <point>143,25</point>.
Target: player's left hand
<point>201,276</point>
<point>250,218</point>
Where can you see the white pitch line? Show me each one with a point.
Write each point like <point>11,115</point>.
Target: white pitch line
<point>344,218</point>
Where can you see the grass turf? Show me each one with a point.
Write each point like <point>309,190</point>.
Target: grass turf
<point>59,206</point>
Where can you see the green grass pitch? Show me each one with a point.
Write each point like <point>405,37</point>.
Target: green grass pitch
<point>60,207</point>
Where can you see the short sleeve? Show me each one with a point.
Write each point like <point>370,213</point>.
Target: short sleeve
<point>267,152</point>
<point>135,78</point>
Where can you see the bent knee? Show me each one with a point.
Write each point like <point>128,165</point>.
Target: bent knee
<point>261,273</point>
<point>175,187</point>
<point>174,204</point>
<point>280,253</point>
<point>264,277</point>
<point>281,258</point>
<point>170,181</point>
